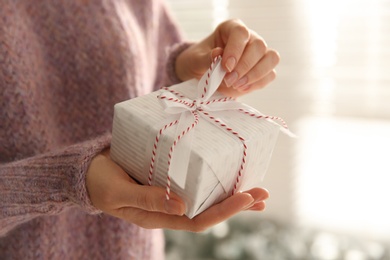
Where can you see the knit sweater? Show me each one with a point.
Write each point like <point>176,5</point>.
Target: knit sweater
<point>63,66</point>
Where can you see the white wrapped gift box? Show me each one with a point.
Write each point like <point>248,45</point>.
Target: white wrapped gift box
<point>227,150</point>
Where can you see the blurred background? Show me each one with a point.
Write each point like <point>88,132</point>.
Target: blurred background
<point>330,187</point>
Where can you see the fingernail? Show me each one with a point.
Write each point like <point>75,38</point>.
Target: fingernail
<point>174,207</point>
<point>254,202</point>
<point>257,205</point>
<point>250,199</point>
<point>231,78</point>
<point>230,63</point>
<point>241,82</point>
<point>244,88</point>
<point>249,204</point>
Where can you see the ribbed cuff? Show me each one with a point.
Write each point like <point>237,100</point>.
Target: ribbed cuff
<point>88,151</point>
<point>174,52</point>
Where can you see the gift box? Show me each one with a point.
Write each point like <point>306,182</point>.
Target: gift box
<point>192,140</point>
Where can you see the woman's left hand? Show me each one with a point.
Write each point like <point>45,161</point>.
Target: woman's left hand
<point>249,63</point>
<point>114,192</point>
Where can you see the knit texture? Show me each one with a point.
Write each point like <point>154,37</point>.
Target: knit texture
<point>63,66</point>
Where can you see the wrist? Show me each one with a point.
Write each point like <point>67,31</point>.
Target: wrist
<point>174,64</point>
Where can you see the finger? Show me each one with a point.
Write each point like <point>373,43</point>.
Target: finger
<point>258,206</point>
<point>150,219</point>
<point>121,191</point>
<point>253,53</point>
<point>259,195</point>
<point>221,211</point>
<point>237,36</point>
<point>231,92</point>
<point>149,198</point>
<point>216,52</point>
<point>256,85</point>
<point>261,69</point>
<point>206,219</point>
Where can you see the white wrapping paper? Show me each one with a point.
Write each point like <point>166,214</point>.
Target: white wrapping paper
<point>215,154</point>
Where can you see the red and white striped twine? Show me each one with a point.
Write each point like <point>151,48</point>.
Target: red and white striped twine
<point>176,100</point>
<point>156,140</point>
<point>209,75</point>
<point>243,160</point>
<point>178,94</point>
<point>171,150</point>
<point>195,122</point>
<point>283,123</point>
<point>224,99</point>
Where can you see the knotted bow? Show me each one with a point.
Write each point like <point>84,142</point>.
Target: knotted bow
<point>185,113</point>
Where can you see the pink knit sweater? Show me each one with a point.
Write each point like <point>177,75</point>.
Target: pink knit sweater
<point>63,66</point>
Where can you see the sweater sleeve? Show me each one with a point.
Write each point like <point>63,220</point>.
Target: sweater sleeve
<point>173,53</point>
<point>47,184</point>
<point>171,43</point>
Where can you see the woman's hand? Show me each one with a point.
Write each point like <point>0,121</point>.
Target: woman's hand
<point>114,192</point>
<point>249,63</point>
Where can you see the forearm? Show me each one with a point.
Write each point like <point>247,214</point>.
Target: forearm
<point>46,184</point>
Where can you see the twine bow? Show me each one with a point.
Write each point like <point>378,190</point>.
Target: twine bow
<point>185,114</point>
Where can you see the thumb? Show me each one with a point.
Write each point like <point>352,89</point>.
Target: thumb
<point>203,59</point>
<point>151,198</point>
<point>207,58</point>
<point>194,61</point>
<point>216,52</point>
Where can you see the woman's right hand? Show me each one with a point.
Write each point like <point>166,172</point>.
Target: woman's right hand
<point>115,193</point>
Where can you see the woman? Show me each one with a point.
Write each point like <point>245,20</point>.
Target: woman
<point>63,66</point>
